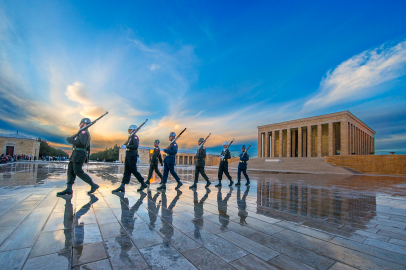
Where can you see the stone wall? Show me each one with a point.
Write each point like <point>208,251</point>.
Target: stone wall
<point>21,146</point>
<point>371,164</point>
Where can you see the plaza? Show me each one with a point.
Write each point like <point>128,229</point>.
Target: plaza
<point>282,221</point>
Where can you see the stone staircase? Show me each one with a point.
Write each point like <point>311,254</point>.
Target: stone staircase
<point>299,165</point>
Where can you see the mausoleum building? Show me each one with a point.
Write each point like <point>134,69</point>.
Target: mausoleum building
<point>19,144</point>
<point>339,133</point>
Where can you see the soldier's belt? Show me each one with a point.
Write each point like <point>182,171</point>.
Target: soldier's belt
<point>242,161</point>
<point>79,149</point>
<point>130,150</point>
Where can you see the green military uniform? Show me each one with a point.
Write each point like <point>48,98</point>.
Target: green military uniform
<point>153,164</point>
<point>200,163</point>
<point>80,153</point>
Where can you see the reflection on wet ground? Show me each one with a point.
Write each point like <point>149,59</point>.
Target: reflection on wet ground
<point>281,221</point>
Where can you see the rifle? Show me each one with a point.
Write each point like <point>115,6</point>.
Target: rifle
<point>91,124</point>
<point>133,133</point>
<point>246,150</point>
<point>204,141</point>
<point>174,140</point>
<point>228,146</point>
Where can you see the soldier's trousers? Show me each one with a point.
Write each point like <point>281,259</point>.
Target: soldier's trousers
<point>169,168</point>
<point>201,171</point>
<point>131,168</point>
<point>75,169</point>
<point>152,168</point>
<point>223,168</point>
<point>244,171</point>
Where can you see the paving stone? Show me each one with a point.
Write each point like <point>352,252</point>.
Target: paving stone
<point>392,234</point>
<point>176,238</point>
<point>341,266</point>
<point>164,256</point>
<point>13,259</point>
<point>397,242</point>
<point>251,262</point>
<point>53,242</point>
<point>88,253</point>
<point>144,235</point>
<point>284,262</point>
<point>99,265</point>
<point>205,260</point>
<point>6,232</point>
<point>86,234</point>
<point>104,215</point>
<point>387,246</point>
<point>52,261</point>
<point>111,230</point>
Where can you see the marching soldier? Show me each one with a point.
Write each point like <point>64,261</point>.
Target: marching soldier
<point>169,163</point>
<point>131,162</point>
<point>153,162</point>
<point>223,168</point>
<point>81,149</point>
<point>200,162</point>
<point>242,166</point>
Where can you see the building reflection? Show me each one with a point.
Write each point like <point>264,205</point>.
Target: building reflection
<point>293,201</point>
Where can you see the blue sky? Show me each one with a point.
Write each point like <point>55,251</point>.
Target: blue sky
<point>223,67</point>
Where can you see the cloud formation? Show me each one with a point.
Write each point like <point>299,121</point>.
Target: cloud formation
<point>358,77</point>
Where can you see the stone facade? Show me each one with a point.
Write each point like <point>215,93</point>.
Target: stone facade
<point>332,134</point>
<point>17,144</point>
<point>182,158</point>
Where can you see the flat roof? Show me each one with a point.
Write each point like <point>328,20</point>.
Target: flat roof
<point>16,136</point>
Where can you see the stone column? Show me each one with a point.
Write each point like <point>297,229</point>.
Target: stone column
<point>330,139</point>
<point>266,144</point>
<point>289,142</point>
<point>319,134</point>
<point>280,143</point>
<point>273,144</point>
<point>299,142</point>
<point>344,138</point>
<point>309,141</point>
<point>259,144</point>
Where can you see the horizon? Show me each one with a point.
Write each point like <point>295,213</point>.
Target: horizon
<point>221,68</point>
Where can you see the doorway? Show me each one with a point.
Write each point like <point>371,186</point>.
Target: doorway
<point>10,150</point>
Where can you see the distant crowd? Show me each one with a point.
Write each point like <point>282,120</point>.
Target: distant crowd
<point>7,158</point>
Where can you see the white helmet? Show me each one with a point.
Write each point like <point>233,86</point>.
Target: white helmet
<point>225,143</point>
<point>133,127</point>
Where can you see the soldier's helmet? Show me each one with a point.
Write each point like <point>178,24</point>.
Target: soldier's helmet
<point>85,121</point>
<point>225,143</point>
<point>172,134</point>
<point>157,141</point>
<point>133,127</point>
<point>201,140</point>
<point>243,146</point>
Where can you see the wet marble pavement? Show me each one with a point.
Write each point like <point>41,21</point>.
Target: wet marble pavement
<point>282,221</point>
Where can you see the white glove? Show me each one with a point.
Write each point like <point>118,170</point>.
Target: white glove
<point>222,157</point>
<point>123,146</point>
<point>138,160</point>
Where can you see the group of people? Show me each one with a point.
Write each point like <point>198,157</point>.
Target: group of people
<point>8,158</point>
<point>81,148</point>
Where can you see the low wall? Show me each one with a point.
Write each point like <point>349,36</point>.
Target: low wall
<point>371,164</point>
<point>214,161</point>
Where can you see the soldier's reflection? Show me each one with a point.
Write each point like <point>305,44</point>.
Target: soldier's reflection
<point>222,207</point>
<point>167,214</point>
<point>242,205</point>
<point>127,214</point>
<point>80,228</point>
<point>67,223</point>
<point>153,208</point>
<point>198,207</point>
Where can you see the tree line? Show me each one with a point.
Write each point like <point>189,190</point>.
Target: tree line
<point>46,150</point>
<point>110,154</point>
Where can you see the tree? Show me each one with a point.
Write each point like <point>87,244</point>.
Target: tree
<point>46,150</point>
<point>110,154</point>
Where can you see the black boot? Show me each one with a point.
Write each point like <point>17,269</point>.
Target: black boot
<point>231,183</point>
<point>147,182</point>
<point>238,183</point>
<point>179,185</point>
<point>219,184</point>
<point>143,186</point>
<point>248,183</point>
<point>121,188</point>
<point>162,186</point>
<point>194,185</point>
<point>93,188</point>
<point>67,191</point>
<point>208,184</point>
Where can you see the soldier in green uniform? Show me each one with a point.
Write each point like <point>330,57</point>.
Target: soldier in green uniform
<point>130,165</point>
<point>200,162</point>
<point>81,149</point>
<point>153,162</point>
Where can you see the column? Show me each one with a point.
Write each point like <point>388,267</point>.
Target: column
<point>289,143</point>
<point>299,142</point>
<point>319,134</point>
<point>280,143</point>
<point>352,139</point>
<point>344,138</point>
<point>309,141</point>
<point>266,144</point>
<point>273,144</point>
<point>259,144</point>
<point>330,140</point>
<point>367,144</point>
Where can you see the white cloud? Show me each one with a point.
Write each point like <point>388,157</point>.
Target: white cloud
<point>153,66</point>
<point>357,77</point>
